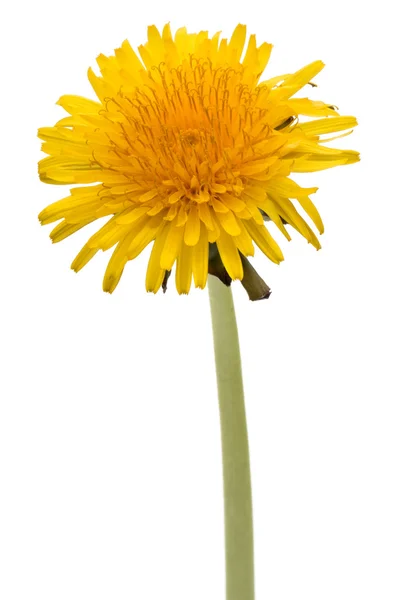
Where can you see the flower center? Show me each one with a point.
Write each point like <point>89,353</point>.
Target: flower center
<point>187,131</point>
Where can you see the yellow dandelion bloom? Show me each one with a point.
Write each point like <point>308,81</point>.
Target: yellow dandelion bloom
<point>187,149</point>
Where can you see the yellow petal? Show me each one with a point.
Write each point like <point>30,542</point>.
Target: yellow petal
<point>244,242</point>
<point>192,227</point>
<point>205,216</point>
<point>172,212</point>
<point>183,275</point>
<point>290,214</point>
<point>64,229</point>
<point>254,211</point>
<point>58,209</point>
<point>264,241</point>
<point>147,233</point>
<point>128,59</point>
<point>158,207</point>
<point>264,52</point>
<point>295,82</point>
<point>182,216</point>
<point>269,207</point>
<point>133,215</point>
<point>237,42</point>
<point>175,197</point>
<point>171,246</point>
<point>82,258</point>
<point>116,264</point>
<point>155,274</point>
<point>312,212</point>
<point>328,125</point>
<point>155,45</point>
<point>67,170</point>
<point>229,222</point>
<point>230,255</point>
<point>200,259</point>
<point>233,203</point>
<point>109,230</point>
<point>304,165</point>
<point>98,85</point>
<point>310,108</point>
<point>286,187</point>
<point>148,195</point>
<point>218,206</point>
<point>77,105</point>
<point>146,57</point>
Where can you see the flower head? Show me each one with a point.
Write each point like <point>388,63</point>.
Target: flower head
<point>187,148</point>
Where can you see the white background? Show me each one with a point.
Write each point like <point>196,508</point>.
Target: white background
<point>111,479</point>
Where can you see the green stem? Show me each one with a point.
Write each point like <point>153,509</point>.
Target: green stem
<point>235,447</point>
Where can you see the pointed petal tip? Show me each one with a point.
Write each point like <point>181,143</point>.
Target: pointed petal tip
<point>110,283</point>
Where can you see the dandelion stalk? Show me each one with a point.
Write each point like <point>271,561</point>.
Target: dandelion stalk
<point>235,448</point>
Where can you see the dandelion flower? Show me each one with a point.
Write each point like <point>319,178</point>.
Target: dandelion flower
<point>189,149</point>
